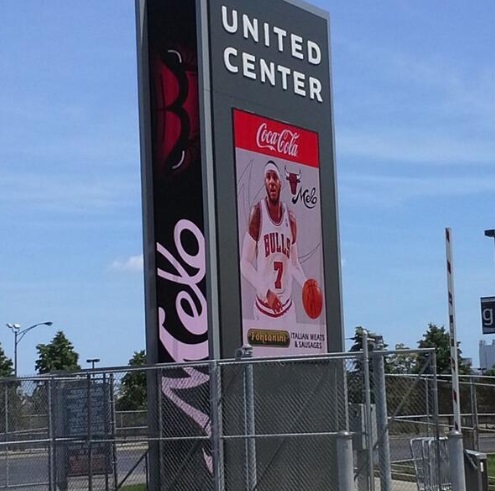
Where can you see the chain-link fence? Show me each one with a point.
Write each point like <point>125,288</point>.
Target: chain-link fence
<point>254,424</point>
<point>477,402</point>
<point>66,432</point>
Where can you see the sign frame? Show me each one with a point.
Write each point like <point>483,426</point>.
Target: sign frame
<point>487,315</point>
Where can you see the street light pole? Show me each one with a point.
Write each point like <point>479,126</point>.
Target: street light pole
<point>490,233</point>
<point>18,335</point>
<point>93,361</point>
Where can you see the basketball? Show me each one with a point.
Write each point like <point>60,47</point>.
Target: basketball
<point>312,299</point>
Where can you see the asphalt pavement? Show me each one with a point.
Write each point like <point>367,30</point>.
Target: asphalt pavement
<point>29,471</point>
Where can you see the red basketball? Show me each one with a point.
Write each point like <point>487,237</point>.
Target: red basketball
<point>312,299</point>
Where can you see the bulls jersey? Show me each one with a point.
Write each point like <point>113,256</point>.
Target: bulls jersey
<point>273,257</point>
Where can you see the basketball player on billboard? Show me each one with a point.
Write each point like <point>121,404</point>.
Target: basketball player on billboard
<point>269,259</point>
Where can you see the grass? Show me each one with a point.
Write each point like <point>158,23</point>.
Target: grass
<point>490,461</point>
<point>134,487</point>
<point>491,465</point>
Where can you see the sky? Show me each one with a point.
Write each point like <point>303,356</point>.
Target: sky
<point>414,114</point>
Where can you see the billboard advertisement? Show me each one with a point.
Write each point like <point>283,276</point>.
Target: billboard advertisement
<point>241,242</point>
<point>279,226</point>
<point>269,67</point>
<point>204,66</point>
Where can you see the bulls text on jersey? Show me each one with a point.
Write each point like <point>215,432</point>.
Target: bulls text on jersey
<point>277,242</point>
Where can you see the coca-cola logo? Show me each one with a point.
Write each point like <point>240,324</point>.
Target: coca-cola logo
<point>284,142</point>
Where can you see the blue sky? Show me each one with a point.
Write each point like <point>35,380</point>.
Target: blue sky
<point>414,111</point>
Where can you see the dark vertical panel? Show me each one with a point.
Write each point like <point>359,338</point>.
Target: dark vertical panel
<point>174,244</point>
<point>177,180</point>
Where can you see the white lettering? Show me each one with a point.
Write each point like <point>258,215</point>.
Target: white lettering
<point>248,66</point>
<point>314,53</point>
<point>285,72</point>
<point>267,72</point>
<point>227,54</point>
<point>194,321</point>
<point>266,29</point>
<point>283,142</point>
<point>274,74</point>
<point>280,33</point>
<point>232,27</point>
<point>254,67</point>
<point>296,46</point>
<point>299,79</point>
<point>180,352</point>
<point>487,317</point>
<point>315,89</point>
<point>250,28</point>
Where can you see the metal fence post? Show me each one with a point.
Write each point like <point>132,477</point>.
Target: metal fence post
<point>344,461</point>
<point>382,418</point>
<point>216,425</point>
<point>427,403</point>
<point>113,430</point>
<point>249,418</point>
<point>159,451</point>
<point>436,411</point>
<point>51,433</point>
<point>369,423</point>
<point>474,413</point>
<point>106,427</point>
<point>7,447</point>
<point>90,437</point>
<point>456,458</point>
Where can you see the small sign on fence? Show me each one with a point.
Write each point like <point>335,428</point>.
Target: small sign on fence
<point>83,421</point>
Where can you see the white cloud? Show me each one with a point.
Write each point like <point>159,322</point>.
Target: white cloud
<point>132,264</point>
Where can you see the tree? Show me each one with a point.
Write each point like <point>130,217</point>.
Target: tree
<point>402,363</point>
<point>132,394</point>
<point>59,355</point>
<point>6,365</point>
<point>438,338</point>
<point>358,340</point>
<point>358,346</point>
<point>10,395</point>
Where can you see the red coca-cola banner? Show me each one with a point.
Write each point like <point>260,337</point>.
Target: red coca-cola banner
<point>276,139</point>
